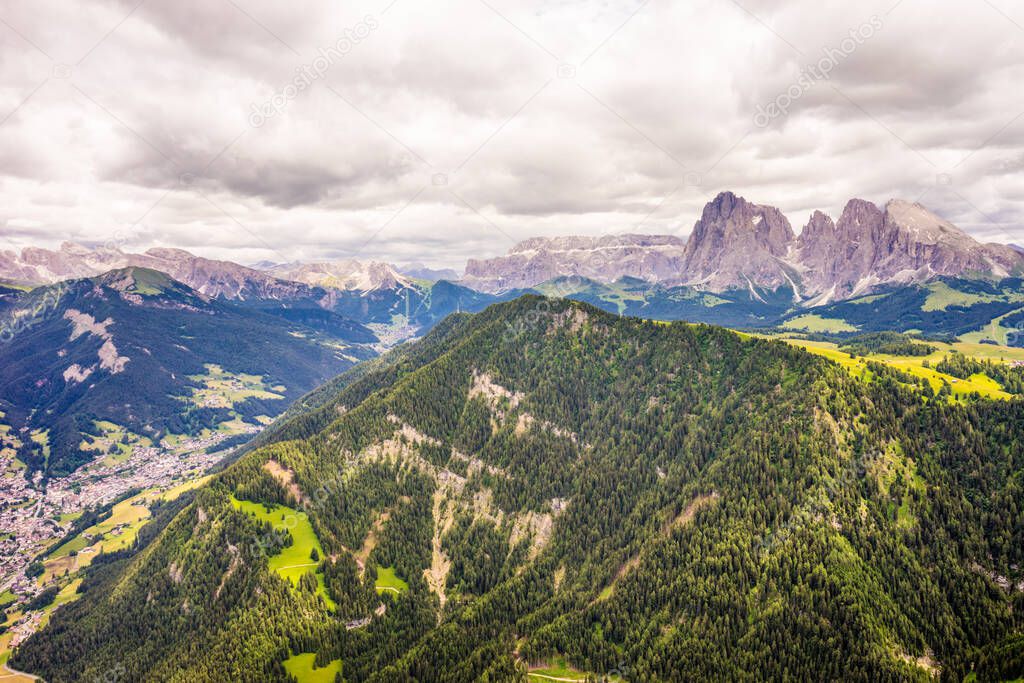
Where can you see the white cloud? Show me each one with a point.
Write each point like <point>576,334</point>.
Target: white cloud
<point>148,139</point>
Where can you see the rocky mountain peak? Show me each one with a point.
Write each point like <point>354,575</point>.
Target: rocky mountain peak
<point>170,254</point>
<point>346,274</point>
<point>737,244</point>
<point>902,243</point>
<point>820,226</point>
<point>924,226</point>
<point>74,248</point>
<point>860,218</point>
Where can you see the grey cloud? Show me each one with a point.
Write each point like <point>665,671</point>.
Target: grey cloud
<point>447,79</point>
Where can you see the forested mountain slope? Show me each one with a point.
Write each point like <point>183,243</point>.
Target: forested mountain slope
<point>138,351</point>
<point>547,482</point>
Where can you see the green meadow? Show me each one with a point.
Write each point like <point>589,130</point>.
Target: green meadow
<point>981,384</point>
<point>816,323</point>
<point>295,560</point>
<point>303,668</point>
<point>389,581</point>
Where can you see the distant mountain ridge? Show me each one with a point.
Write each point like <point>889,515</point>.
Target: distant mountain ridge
<point>424,272</point>
<point>737,244</point>
<point>213,278</point>
<point>348,274</point>
<point>606,259</point>
<point>337,297</point>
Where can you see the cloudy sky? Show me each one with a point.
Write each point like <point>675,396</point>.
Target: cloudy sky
<point>415,131</point>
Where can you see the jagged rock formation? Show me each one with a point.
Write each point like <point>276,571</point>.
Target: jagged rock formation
<point>216,279</point>
<point>737,244</point>
<point>348,274</point>
<point>606,259</point>
<point>903,243</point>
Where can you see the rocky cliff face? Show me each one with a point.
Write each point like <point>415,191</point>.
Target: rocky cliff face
<point>903,243</point>
<point>347,274</point>
<point>736,244</point>
<point>606,259</point>
<point>833,257</point>
<point>223,279</point>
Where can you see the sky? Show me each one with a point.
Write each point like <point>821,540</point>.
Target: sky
<point>433,132</point>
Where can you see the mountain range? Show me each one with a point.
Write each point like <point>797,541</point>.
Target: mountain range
<point>335,296</point>
<point>740,245</point>
<point>735,245</point>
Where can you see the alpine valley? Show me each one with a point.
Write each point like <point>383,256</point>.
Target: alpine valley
<point>637,457</point>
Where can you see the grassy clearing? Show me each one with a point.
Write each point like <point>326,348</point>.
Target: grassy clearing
<point>115,533</point>
<point>121,528</point>
<point>302,666</point>
<point>66,517</point>
<point>221,389</point>
<point>149,282</point>
<point>68,593</point>
<point>941,296</point>
<point>75,545</point>
<point>558,671</point>
<point>174,492</point>
<point>914,365</point>
<point>816,323</point>
<point>115,440</point>
<point>42,437</point>
<point>9,443</point>
<point>388,581</point>
<point>295,560</point>
<point>994,330</point>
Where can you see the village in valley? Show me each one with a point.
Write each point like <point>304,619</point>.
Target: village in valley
<point>36,518</point>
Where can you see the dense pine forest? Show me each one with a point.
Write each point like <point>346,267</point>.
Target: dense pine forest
<point>543,483</point>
